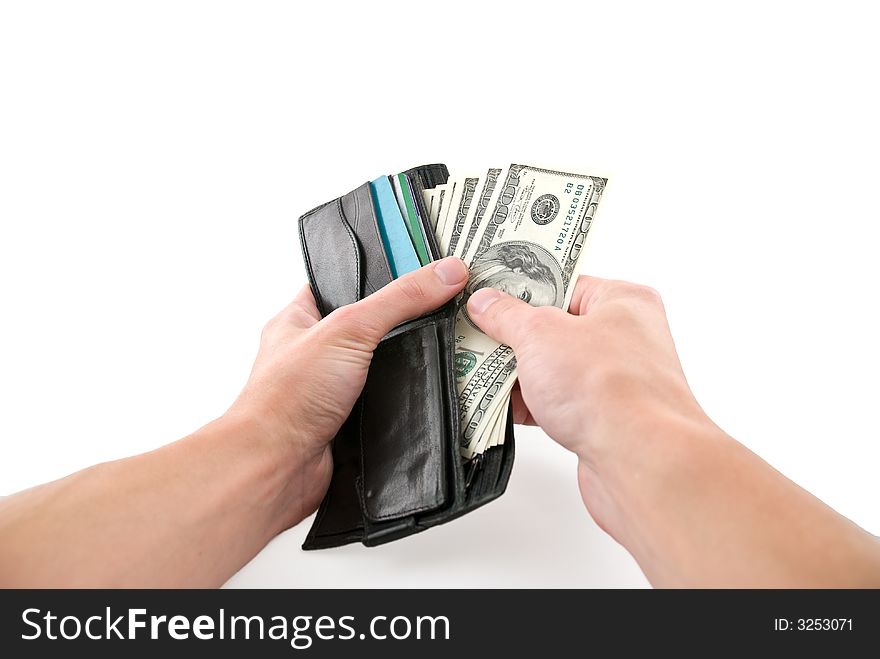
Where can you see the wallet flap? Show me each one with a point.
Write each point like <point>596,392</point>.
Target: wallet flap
<point>343,251</point>
<point>403,425</point>
<point>327,239</point>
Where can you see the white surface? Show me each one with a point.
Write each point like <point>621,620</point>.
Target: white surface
<point>154,158</point>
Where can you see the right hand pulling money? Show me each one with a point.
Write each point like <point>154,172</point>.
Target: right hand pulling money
<point>692,505</point>
<point>606,366</point>
<point>583,373</point>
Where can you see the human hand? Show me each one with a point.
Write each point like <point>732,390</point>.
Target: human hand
<point>602,379</point>
<point>310,371</point>
<point>692,505</point>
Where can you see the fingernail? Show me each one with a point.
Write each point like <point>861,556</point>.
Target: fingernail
<point>483,299</point>
<point>450,270</point>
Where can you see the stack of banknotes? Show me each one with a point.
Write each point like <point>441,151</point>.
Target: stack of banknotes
<point>519,229</point>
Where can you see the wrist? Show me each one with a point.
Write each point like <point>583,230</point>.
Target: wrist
<point>657,456</point>
<point>277,476</point>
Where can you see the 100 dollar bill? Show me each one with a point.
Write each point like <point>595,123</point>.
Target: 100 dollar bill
<point>527,243</point>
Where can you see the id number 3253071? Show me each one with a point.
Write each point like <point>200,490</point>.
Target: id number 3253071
<point>812,624</point>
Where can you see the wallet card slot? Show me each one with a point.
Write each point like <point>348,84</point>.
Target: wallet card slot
<point>403,427</point>
<point>358,209</point>
<point>327,241</point>
<point>343,250</point>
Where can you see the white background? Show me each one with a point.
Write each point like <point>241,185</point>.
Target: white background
<point>154,158</point>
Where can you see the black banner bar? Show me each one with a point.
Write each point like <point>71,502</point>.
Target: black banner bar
<point>278,623</point>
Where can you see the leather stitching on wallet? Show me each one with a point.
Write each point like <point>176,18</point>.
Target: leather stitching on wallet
<point>305,248</point>
<point>308,218</point>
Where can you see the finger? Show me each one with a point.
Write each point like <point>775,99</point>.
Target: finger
<point>305,299</point>
<point>302,311</point>
<point>521,414</point>
<point>503,317</point>
<point>586,290</point>
<point>410,296</point>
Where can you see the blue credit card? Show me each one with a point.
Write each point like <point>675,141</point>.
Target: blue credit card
<point>402,257</point>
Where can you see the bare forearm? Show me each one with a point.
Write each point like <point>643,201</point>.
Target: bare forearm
<point>702,510</point>
<point>188,514</point>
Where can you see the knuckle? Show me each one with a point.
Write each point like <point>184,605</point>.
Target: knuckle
<point>343,315</point>
<point>536,320</point>
<point>638,292</point>
<point>648,294</point>
<point>352,323</point>
<point>412,288</point>
<point>269,329</point>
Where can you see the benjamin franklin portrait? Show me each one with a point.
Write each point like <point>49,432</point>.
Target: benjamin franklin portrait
<point>520,269</point>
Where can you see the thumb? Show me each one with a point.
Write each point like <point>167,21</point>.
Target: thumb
<point>410,296</point>
<point>503,317</point>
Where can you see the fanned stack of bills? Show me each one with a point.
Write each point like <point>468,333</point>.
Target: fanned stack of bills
<point>522,230</point>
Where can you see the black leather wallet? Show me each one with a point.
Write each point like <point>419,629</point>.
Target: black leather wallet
<point>396,463</point>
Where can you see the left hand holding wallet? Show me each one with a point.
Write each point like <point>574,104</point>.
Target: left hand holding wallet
<point>302,357</point>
